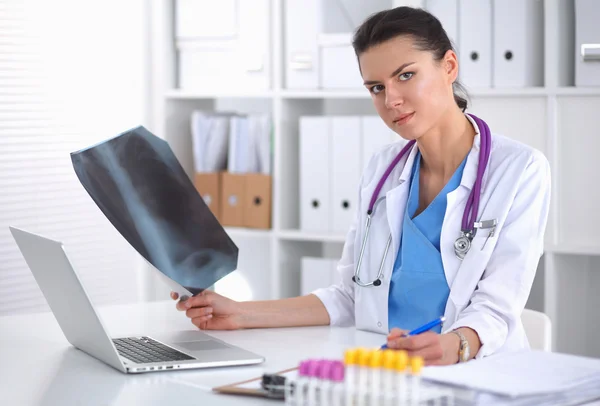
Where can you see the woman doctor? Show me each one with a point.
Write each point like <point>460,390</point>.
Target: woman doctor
<point>456,216</point>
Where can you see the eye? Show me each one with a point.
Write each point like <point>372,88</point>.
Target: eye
<point>376,89</point>
<point>405,76</point>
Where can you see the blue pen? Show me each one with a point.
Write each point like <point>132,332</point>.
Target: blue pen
<point>422,329</point>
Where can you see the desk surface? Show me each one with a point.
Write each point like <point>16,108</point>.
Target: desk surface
<point>38,366</point>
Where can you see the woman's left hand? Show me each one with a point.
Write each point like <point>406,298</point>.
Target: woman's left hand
<point>435,349</point>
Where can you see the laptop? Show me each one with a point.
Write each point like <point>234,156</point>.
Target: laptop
<point>83,328</point>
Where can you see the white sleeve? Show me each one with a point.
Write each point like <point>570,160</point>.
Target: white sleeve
<point>500,297</point>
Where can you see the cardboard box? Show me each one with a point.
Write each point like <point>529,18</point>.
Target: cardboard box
<point>232,198</point>
<point>257,201</point>
<point>208,186</point>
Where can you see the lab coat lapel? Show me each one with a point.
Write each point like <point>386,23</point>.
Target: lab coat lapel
<point>396,200</point>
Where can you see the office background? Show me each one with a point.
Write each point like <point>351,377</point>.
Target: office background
<point>68,80</point>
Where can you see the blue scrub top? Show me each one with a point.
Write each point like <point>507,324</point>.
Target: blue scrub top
<point>418,288</point>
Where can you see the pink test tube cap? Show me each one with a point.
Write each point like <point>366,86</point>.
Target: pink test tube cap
<point>337,371</point>
<point>325,369</point>
<point>303,368</point>
<point>313,368</point>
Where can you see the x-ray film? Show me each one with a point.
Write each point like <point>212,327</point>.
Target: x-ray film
<point>138,183</point>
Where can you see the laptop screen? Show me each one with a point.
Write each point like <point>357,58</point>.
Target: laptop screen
<point>140,186</point>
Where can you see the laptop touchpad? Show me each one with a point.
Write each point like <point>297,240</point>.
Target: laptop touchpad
<point>202,345</point>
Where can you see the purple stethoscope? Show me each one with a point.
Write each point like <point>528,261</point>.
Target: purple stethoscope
<point>469,225</point>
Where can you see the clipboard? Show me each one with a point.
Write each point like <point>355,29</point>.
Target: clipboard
<point>251,387</point>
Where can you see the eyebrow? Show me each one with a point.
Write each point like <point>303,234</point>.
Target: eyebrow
<point>396,72</point>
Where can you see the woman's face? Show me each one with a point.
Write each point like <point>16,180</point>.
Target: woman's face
<point>410,90</point>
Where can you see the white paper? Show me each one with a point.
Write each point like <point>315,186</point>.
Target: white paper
<point>523,373</point>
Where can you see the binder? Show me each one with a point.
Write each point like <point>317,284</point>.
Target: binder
<point>447,12</point>
<point>475,42</point>
<point>301,49</point>
<point>257,201</point>
<point>375,134</point>
<point>518,43</point>
<point>346,164</point>
<point>196,19</point>
<point>339,66</point>
<point>587,43</point>
<point>315,157</point>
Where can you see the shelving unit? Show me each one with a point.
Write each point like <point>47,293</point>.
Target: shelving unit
<point>559,119</point>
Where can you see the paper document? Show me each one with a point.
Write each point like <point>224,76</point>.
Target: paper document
<point>526,373</point>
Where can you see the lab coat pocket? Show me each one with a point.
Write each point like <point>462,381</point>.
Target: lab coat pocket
<point>472,268</point>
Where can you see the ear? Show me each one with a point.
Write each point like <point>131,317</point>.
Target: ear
<point>450,65</point>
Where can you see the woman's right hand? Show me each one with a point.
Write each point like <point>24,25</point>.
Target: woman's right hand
<point>211,311</point>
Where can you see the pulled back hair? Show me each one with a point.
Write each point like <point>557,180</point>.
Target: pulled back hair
<point>425,29</point>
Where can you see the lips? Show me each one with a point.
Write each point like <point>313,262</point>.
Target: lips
<point>403,118</point>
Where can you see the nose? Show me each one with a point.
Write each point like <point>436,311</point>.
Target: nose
<point>393,97</point>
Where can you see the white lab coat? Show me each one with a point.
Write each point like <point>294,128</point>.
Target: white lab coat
<point>489,288</point>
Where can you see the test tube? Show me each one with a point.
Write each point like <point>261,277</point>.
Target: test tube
<point>313,370</point>
<point>389,365</point>
<point>337,386</point>
<point>416,365</point>
<point>301,383</point>
<point>401,387</point>
<point>374,390</point>
<point>351,375</point>
<point>364,355</point>
<point>324,384</point>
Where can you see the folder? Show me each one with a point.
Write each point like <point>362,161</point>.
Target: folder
<point>315,274</point>
<point>232,199</point>
<point>301,49</point>
<point>587,43</point>
<point>346,164</point>
<point>203,20</point>
<point>518,43</point>
<point>315,158</point>
<point>475,42</point>
<point>375,134</point>
<point>339,66</point>
<point>447,12</point>
<point>257,201</point>
<point>208,186</point>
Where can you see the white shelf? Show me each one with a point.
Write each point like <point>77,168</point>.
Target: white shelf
<point>578,91</point>
<point>502,92</point>
<point>191,95</point>
<point>237,232</point>
<point>297,235</point>
<point>325,94</point>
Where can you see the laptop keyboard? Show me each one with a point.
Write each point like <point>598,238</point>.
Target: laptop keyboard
<point>143,350</point>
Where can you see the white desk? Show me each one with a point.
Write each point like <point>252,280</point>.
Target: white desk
<point>39,367</point>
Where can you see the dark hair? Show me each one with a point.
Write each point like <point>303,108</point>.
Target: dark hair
<point>426,29</point>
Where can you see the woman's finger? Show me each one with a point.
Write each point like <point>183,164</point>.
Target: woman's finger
<point>198,312</point>
<point>414,343</point>
<point>396,332</point>
<point>430,354</point>
<point>201,321</point>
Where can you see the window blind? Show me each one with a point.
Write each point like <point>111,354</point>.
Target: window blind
<point>72,73</point>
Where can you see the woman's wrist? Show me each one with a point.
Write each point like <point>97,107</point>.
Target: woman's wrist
<point>451,346</point>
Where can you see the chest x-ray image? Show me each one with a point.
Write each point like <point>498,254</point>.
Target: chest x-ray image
<point>138,183</point>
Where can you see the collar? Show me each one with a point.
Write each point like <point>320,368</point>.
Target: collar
<point>470,169</point>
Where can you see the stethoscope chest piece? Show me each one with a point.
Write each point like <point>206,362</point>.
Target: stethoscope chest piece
<point>462,245</point>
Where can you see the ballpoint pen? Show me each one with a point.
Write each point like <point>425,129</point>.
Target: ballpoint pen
<point>422,329</point>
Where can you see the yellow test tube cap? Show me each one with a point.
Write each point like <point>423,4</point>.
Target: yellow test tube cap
<point>351,356</point>
<point>401,360</point>
<point>364,356</point>
<point>389,359</point>
<point>416,365</point>
<point>376,360</point>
